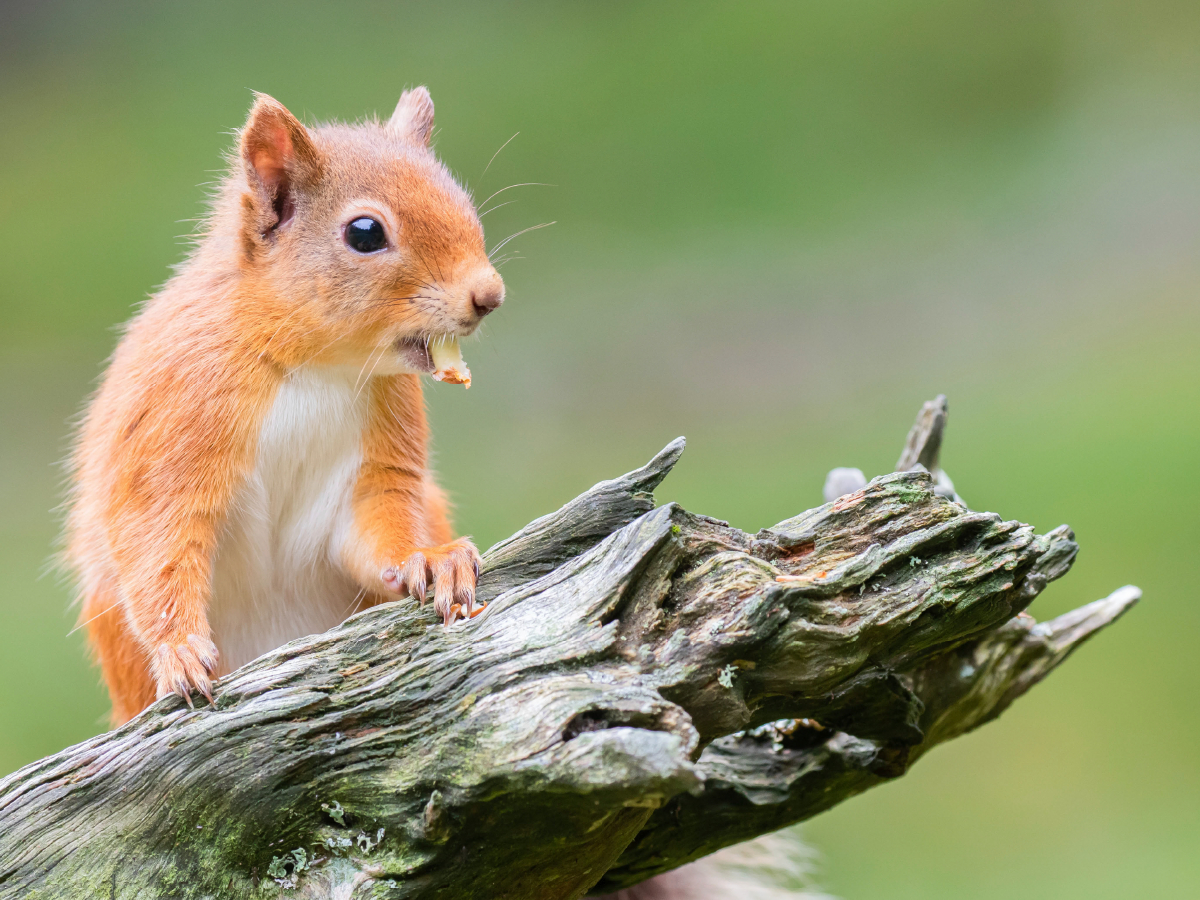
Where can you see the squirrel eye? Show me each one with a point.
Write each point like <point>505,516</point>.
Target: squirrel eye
<point>365,235</point>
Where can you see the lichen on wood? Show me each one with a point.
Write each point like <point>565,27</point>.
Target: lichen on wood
<point>645,686</point>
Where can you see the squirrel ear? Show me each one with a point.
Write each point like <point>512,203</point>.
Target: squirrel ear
<point>414,115</point>
<point>278,154</point>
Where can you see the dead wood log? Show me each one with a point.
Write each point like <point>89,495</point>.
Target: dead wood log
<point>646,686</point>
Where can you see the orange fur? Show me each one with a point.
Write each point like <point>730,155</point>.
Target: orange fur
<point>272,289</point>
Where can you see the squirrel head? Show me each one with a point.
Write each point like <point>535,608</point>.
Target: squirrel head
<point>361,235</point>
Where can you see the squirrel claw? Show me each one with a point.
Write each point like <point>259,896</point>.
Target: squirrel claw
<point>186,666</point>
<point>451,569</point>
<point>205,688</point>
<point>410,578</point>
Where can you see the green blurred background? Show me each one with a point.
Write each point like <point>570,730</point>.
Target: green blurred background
<point>781,226</point>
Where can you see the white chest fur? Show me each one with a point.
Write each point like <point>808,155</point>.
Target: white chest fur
<point>277,574</point>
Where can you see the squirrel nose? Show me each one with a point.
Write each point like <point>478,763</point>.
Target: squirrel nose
<point>487,294</point>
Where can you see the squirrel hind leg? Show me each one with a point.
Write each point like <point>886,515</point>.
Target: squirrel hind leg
<point>123,662</point>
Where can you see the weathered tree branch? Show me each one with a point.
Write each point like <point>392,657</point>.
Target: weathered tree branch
<point>646,686</point>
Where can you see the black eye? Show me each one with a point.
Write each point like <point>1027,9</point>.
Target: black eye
<point>365,235</point>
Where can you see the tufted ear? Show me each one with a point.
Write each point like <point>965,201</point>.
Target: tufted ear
<point>279,156</point>
<point>414,115</point>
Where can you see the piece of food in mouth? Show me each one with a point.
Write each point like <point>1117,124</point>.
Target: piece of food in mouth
<point>448,365</point>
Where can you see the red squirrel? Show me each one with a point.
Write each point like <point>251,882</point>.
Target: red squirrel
<point>253,467</point>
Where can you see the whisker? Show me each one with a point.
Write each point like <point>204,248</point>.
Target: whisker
<point>518,234</point>
<point>496,207</point>
<point>497,153</point>
<point>335,339</point>
<point>428,267</point>
<point>390,301</point>
<point>357,602</point>
<point>286,319</point>
<point>522,184</point>
<point>357,387</point>
<point>93,618</point>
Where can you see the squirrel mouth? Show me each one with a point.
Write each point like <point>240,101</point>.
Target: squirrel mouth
<point>439,356</point>
<point>415,353</point>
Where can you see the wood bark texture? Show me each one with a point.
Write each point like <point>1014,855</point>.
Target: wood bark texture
<point>646,686</point>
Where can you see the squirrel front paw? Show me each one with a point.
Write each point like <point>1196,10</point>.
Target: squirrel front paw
<point>452,569</point>
<point>181,667</point>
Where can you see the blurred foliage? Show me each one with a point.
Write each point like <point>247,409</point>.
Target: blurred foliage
<point>781,226</point>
